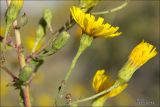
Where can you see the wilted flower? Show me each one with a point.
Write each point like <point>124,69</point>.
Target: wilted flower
<point>101,82</point>
<point>139,56</point>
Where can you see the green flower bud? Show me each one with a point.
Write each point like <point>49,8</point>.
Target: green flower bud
<point>11,14</point>
<point>39,35</point>
<point>47,15</point>
<point>40,32</point>
<point>25,73</point>
<point>13,10</point>
<point>60,41</point>
<point>57,44</point>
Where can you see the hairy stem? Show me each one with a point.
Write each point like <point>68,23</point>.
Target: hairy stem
<point>8,72</point>
<point>21,58</point>
<point>85,42</point>
<point>117,83</point>
<point>74,61</point>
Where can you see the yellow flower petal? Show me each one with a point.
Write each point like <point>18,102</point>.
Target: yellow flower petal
<point>92,27</point>
<point>101,81</point>
<point>139,56</point>
<point>142,53</point>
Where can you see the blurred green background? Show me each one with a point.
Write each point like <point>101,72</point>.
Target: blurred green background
<point>138,21</point>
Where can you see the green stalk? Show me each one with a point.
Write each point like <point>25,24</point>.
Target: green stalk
<point>74,61</point>
<point>85,42</point>
<point>116,84</point>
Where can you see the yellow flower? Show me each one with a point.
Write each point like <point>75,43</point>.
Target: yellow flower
<point>142,53</point>
<point>139,56</point>
<point>102,81</point>
<point>91,27</point>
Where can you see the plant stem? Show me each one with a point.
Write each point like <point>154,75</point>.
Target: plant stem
<point>8,72</point>
<point>74,61</point>
<point>112,10</point>
<point>26,96</point>
<point>117,83</point>
<point>85,42</point>
<point>21,58</point>
<point>73,64</point>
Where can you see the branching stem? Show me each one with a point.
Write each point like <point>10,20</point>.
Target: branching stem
<point>21,58</point>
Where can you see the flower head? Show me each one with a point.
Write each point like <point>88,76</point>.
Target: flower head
<point>102,81</point>
<point>139,56</point>
<point>92,27</point>
<point>142,53</point>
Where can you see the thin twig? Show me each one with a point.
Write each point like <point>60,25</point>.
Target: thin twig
<point>117,83</point>
<point>35,71</point>
<point>112,10</point>
<point>8,72</point>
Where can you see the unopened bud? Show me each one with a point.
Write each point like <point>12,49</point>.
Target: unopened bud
<point>11,15</point>
<point>47,15</point>
<point>61,40</point>
<point>25,73</point>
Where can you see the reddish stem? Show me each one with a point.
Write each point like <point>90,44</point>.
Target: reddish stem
<point>26,96</point>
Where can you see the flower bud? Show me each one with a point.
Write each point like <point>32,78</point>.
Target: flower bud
<point>60,41</point>
<point>13,10</point>
<point>11,15</point>
<point>25,73</point>
<point>47,15</point>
